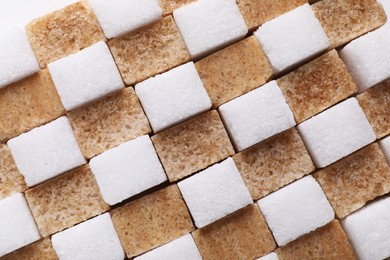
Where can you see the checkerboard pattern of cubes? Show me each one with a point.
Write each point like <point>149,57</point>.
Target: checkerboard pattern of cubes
<point>197,129</point>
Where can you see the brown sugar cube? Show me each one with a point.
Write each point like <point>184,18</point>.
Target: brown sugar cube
<point>193,145</point>
<point>375,103</point>
<point>345,20</point>
<point>168,6</point>
<point>109,122</point>
<point>63,32</point>
<point>328,243</point>
<point>148,51</point>
<point>355,180</point>
<point>41,250</point>
<point>241,235</point>
<point>28,103</point>
<point>317,85</point>
<point>274,163</point>
<point>152,221</point>
<point>234,70</point>
<point>65,201</point>
<point>257,12</point>
<point>11,180</point>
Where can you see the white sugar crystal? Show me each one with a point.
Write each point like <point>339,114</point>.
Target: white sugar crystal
<point>46,151</point>
<point>336,132</point>
<point>94,239</point>
<point>17,59</point>
<point>85,76</point>
<point>368,229</point>
<point>127,170</point>
<point>17,227</point>
<point>215,193</point>
<point>257,115</point>
<point>179,249</point>
<point>118,17</point>
<point>296,209</point>
<point>271,256</point>
<point>385,145</point>
<point>208,25</point>
<point>292,38</point>
<point>173,96</point>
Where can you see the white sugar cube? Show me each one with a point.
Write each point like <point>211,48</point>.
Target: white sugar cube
<point>173,96</point>
<point>17,227</point>
<point>118,17</point>
<point>85,76</point>
<point>215,193</point>
<point>270,256</point>
<point>296,209</point>
<point>46,151</point>
<point>208,25</point>
<point>368,229</point>
<point>385,145</point>
<point>179,249</point>
<point>257,115</point>
<point>336,132</point>
<point>127,170</point>
<point>292,38</point>
<point>94,239</point>
<point>17,59</point>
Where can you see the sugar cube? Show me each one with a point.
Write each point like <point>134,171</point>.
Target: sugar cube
<point>257,115</point>
<point>336,132</point>
<point>40,250</point>
<point>270,256</point>
<point>46,151</point>
<point>296,209</point>
<point>94,239</point>
<point>17,227</point>
<point>292,38</point>
<point>209,25</point>
<point>385,145</point>
<point>215,192</point>
<point>127,170</point>
<point>162,95</point>
<point>85,76</point>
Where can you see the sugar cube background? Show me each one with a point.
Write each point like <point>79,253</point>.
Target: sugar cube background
<point>17,227</point>
<point>85,76</point>
<point>292,38</point>
<point>385,145</point>
<point>270,256</point>
<point>208,25</point>
<point>127,170</point>
<point>296,209</point>
<point>336,132</point>
<point>46,151</point>
<point>215,193</point>
<point>121,16</point>
<point>257,115</point>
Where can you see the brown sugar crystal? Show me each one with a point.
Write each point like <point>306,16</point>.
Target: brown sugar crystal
<point>41,250</point>
<point>168,6</point>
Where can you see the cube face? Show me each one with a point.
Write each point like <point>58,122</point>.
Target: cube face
<point>234,70</point>
<point>368,230</point>
<point>19,228</point>
<point>109,122</point>
<point>75,25</point>
<point>46,151</point>
<point>241,235</point>
<point>17,58</point>
<point>270,256</point>
<point>85,76</point>
<point>257,115</point>
<point>40,250</point>
<point>34,101</point>
<point>292,38</point>
<point>385,145</point>
<point>65,201</point>
<point>152,221</point>
<point>198,143</point>
<point>94,239</point>
<point>156,48</point>
<point>336,132</point>
<point>207,26</point>
<point>179,87</point>
<point>127,170</point>
<point>274,163</point>
<point>317,85</point>
<point>121,16</point>
<point>168,6</point>
<point>296,209</point>
<point>215,193</point>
